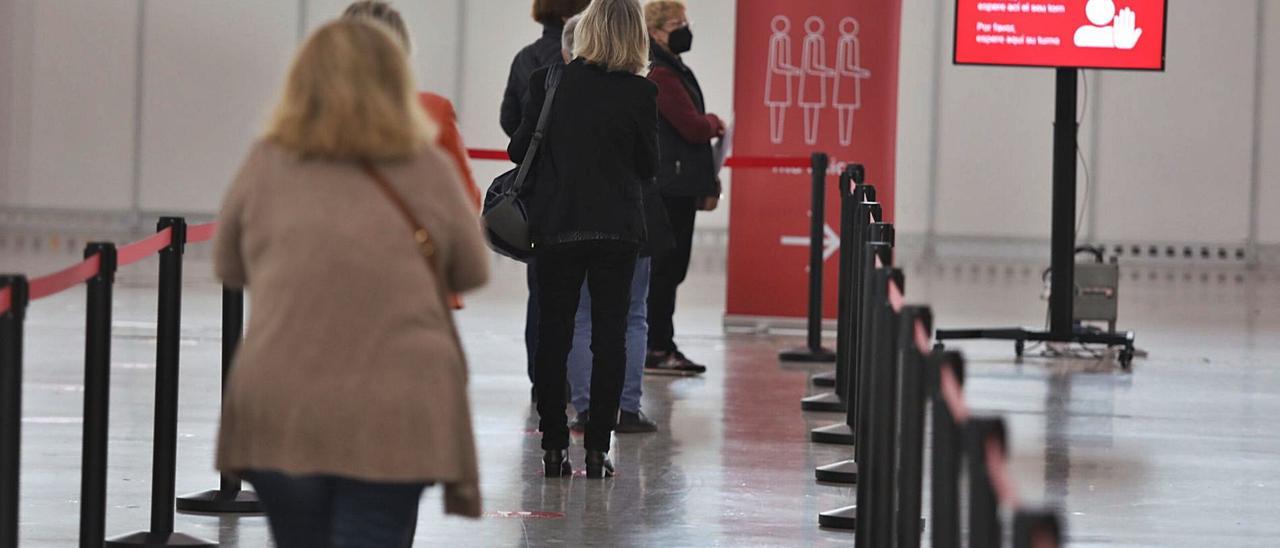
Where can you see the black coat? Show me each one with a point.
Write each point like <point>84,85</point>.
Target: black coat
<point>688,167</point>
<point>599,154</point>
<point>543,52</point>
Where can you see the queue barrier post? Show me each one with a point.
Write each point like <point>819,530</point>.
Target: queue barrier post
<point>11,334</point>
<point>97,399</point>
<point>861,193</point>
<point>944,460</point>
<point>165,440</point>
<point>813,351</point>
<point>984,502</point>
<point>853,222</point>
<point>875,236</point>
<point>230,497</point>
<point>880,345</point>
<point>916,324</point>
<point>1037,529</point>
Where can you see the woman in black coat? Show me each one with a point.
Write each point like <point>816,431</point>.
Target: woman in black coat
<point>587,215</point>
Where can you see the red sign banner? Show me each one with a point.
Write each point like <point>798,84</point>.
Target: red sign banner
<point>811,76</point>
<point>1119,34</point>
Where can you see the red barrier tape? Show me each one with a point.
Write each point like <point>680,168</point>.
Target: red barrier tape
<point>922,338</point>
<point>756,162</point>
<point>952,395</point>
<point>896,299</point>
<point>201,233</point>
<point>999,473</point>
<point>63,280</point>
<point>744,162</point>
<point>140,250</point>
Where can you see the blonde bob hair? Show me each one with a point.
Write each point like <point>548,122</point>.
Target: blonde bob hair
<point>612,34</point>
<point>350,95</point>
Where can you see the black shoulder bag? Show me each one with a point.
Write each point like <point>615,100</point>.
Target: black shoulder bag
<point>506,216</point>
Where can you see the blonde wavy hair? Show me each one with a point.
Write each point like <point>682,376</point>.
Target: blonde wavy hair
<point>612,33</point>
<point>350,95</point>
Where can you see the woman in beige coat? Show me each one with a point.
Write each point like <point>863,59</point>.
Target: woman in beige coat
<point>349,393</point>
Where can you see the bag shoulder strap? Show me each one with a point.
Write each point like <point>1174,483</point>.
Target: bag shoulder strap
<point>426,246</point>
<point>553,82</point>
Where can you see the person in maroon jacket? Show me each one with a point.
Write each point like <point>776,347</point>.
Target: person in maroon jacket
<point>686,174</point>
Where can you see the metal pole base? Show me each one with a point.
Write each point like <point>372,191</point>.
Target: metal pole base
<point>1020,336</point>
<point>840,472</point>
<point>827,379</point>
<point>808,355</point>
<point>827,401</point>
<point>158,540</point>
<point>216,502</point>
<point>844,519</point>
<point>839,434</point>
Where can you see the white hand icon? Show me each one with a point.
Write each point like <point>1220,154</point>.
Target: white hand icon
<point>1126,35</point>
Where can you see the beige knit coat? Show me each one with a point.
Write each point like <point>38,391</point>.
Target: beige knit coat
<point>348,367</point>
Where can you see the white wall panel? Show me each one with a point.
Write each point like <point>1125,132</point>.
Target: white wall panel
<point>995,147</point>
<point>1174,147</point>
<point>1269,175</point>
<point>433,28</point>
<point>8,83</point>
<point>919,48</point>
<point>82,75</point>
<point>211,73</point>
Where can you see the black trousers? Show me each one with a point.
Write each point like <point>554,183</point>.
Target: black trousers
<point>669,271</point>
<point>607,266</point>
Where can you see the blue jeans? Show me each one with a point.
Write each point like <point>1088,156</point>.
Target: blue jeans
<point>335,512</point>
<point>637,337</point>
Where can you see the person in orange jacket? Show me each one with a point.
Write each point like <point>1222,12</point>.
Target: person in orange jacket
<point>437,107</point>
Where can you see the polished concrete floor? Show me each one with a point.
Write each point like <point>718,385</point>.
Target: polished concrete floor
<point>1185,451</point>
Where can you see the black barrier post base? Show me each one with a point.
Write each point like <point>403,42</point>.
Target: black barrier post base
<point>828,401</point>
<point>838,434</point>
<point>217,501</point>
<point>157,540</point>
<point>845,519</point>
<point>1021,336</point>
<point>229,498</point>
<point>827,379</point>
<point>840,472</point>
<point>807,355</point>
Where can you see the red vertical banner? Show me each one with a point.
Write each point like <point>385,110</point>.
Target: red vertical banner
<point>811,76</point>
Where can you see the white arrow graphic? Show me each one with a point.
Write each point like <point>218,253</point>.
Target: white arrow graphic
<point>830,241</point>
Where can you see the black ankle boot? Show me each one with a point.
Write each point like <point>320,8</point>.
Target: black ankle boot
<point>556,463</point>
<point>598,465</point>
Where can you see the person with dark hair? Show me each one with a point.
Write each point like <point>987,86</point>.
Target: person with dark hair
<point>686,177</point>
<point>552,14</point>
<point>542,52</point>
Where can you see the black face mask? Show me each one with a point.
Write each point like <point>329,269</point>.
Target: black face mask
<point>680,40</point>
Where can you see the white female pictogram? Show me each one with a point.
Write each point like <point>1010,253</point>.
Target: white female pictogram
<point>813,77</point>
<point>777,81</point>
<point>847,95</point>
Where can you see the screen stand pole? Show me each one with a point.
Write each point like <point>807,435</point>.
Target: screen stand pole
<point>1062,260</point>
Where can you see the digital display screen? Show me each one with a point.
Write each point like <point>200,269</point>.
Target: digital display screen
<point>1103,34</point>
